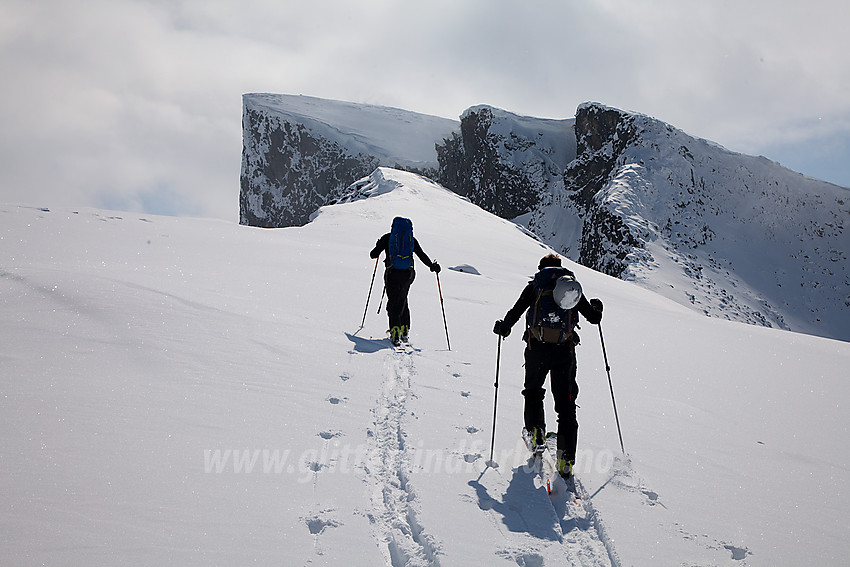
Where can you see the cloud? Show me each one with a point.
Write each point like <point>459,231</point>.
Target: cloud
<point>127,101</point>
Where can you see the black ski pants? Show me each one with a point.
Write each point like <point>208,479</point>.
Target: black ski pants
<point>559,361</point>
<point>398,285</point>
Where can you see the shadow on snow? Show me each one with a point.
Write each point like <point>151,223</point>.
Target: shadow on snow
<point>368,345</point>
<point>524,507</point>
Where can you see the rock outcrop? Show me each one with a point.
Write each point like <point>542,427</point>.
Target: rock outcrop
<point>288,172</point>
<point>506,163</point>
<point>300,153</point>
<point>735,236</point>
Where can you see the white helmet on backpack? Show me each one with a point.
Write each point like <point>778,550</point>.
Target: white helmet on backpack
<point>567,292</point>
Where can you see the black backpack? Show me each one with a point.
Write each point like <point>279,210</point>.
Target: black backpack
<point>547,321</point>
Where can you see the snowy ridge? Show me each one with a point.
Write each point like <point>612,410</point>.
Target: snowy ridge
<point>506,163</point>
<point>300,153</point>
<point>185,391</point>
<point>391,135</point>
<point>733,236</point>
<point>557,136</point>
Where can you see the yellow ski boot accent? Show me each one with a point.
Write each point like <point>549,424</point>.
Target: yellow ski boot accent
<point>395,335</point>
<point>565,468</point>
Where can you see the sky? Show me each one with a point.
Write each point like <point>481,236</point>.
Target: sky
<point>136,104</point>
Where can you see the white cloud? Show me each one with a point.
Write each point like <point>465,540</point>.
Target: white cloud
<point>131,98</point>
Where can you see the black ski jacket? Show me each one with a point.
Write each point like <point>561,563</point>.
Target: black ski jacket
<point>526,298</point>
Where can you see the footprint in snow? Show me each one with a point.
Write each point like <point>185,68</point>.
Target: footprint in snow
<point>738,553</point>
<point>318,523</point>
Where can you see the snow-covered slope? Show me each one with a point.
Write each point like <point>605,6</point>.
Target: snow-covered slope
<point>735,236</point>
<point>194,392</point>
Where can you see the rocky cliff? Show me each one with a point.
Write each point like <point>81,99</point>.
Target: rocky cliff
<point>300,153</point>
<point>288,172</point>
<point>505,163</point>
<point>735,236</point>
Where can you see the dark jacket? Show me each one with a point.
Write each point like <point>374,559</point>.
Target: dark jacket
<point>526,298</point>
<point>383,245</point>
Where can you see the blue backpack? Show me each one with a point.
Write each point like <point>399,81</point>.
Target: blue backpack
<point>400,249</point>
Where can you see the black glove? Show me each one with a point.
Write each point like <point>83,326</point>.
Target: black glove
<point>501,329</point>
<point>596,304</point>
<point>435,267</point>
<point>374,254</point>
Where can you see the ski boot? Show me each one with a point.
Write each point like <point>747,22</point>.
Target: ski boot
<point>395,336</point>
<point>565,468</point>
<point>538,440</point>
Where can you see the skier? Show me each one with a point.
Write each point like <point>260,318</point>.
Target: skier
<point>553,300</point>
<point>399,245</point>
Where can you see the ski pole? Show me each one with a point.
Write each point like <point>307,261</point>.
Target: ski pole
<point>382,299</point>
<point>368,297</point>
<point>439,289</point>
<point>611,386</point>
<point>495,399</point>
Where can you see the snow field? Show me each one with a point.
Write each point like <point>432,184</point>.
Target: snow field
<point>148,362</point>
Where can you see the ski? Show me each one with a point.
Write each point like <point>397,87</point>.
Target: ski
<point>570,482</point>
<point>544,463</point>
<point>401,346</point>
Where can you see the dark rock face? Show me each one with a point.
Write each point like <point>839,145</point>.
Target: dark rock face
<point>513,166</point>
<point>730,232</point>
<point>606,242</point>
<point>505,163</point>
<point>601,136</point>
<point>480,164</point>
<point>288,173</point>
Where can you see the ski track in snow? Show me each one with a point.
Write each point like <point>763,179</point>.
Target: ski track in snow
<point>596,530</point>
<point>580,535</point>
<point>402,538</point>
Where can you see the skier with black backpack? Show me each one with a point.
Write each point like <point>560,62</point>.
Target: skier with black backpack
<point>552,301</point>
<point>399,245</point>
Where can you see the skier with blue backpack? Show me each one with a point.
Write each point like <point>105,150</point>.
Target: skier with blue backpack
<point>399,245</point>
<point>552,301</point>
